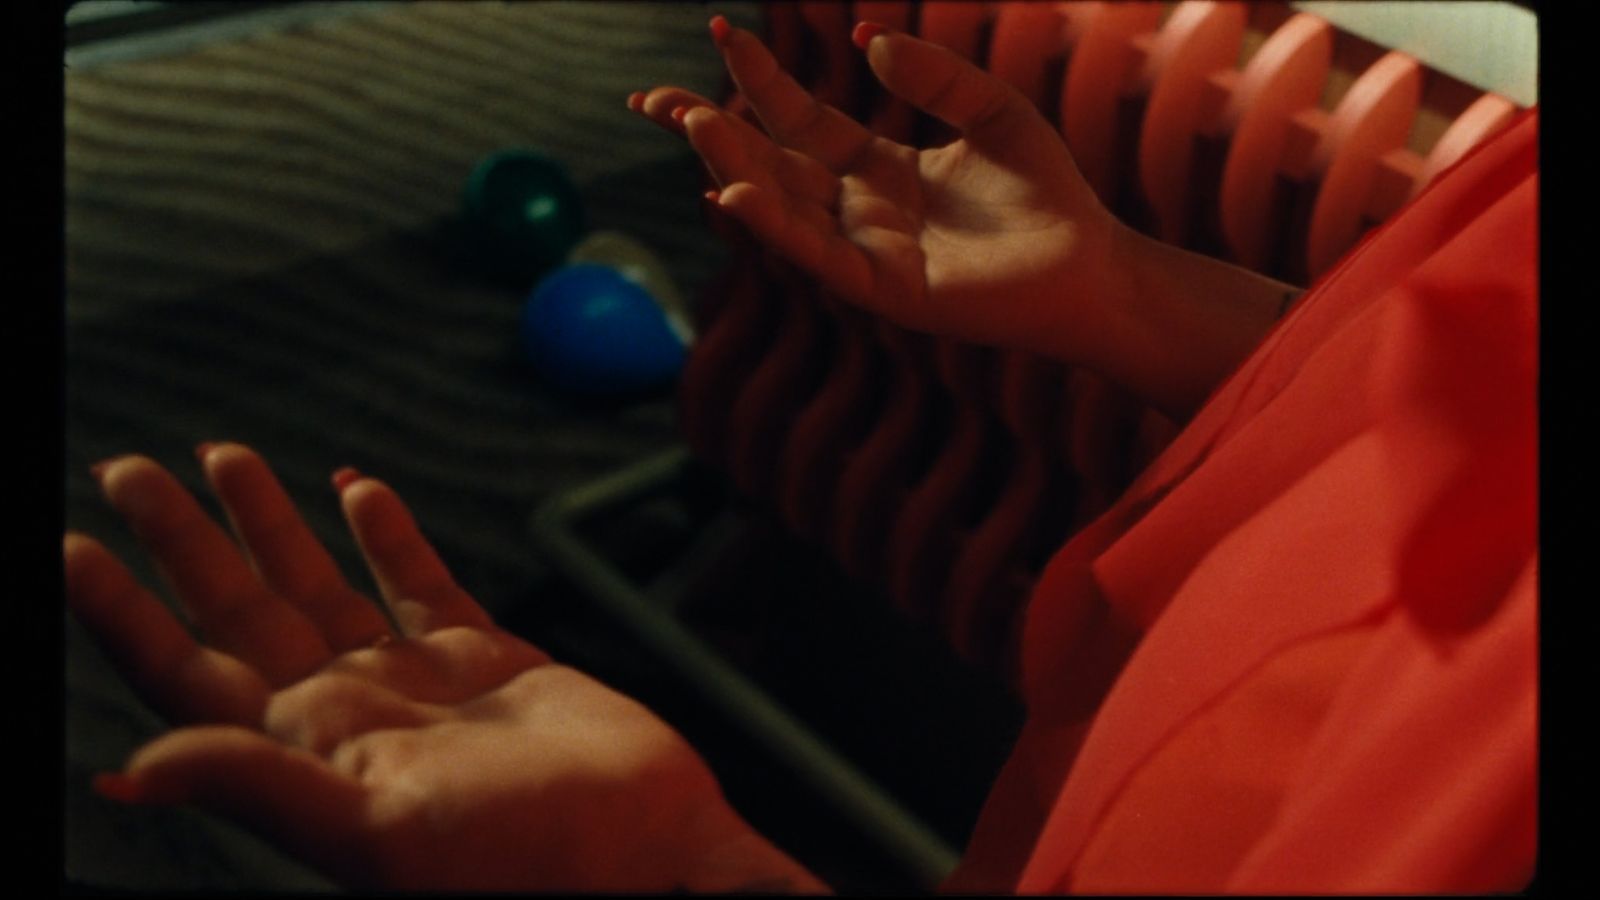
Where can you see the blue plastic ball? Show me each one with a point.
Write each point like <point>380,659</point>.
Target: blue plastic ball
<point>587,330</point>
<point>638,263</point>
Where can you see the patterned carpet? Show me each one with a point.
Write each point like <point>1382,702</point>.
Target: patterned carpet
<point>259,248</point>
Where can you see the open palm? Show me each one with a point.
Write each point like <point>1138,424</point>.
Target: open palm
<point>449,755</point>
<point>930,239</point>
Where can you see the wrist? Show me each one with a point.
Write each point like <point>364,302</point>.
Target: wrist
<point>738,859</point>
<point>1169,324</point>
<point>1093,321</point>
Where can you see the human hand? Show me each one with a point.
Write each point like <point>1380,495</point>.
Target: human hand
<point>451,754</point>
<point>994,238</point>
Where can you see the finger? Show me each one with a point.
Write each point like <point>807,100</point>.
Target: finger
<point>838,263</point>
<point>287,795</point>
<point>945,85</point>
<point>716,137</point>
<point>289,558</point>
<point>735,150</point>
<point>181,680</point>
<point>224,598</point>
<point>324,711</point>
<point>658,104</point>
<point>793,117</point>
<point>410,575</point>
<point>445,666</point>
<point>672,108</point>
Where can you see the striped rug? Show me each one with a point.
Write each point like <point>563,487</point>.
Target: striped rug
<point>257,239</point>
<point>259,246</point>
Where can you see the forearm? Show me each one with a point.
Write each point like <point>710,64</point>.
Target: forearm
<point>1171,324</point>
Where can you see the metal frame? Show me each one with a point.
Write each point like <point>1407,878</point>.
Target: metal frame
<point>645,614</point>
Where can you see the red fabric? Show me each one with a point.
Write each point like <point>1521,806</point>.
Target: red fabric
<point>1300,653</point>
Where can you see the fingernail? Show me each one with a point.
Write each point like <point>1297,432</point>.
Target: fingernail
<point>719,30</point>
<point>203,449</point>
<point>714,196</point>
<point>865,32</point>
<point>117,786</point>
<point>97,471</point>
<point>636,101</point>
<point>344,477</point>
<point>679,114</point>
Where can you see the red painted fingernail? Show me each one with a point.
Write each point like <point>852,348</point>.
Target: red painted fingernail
<point>720,29</point>
<point>714,196</point>
<point>865,32</point>
<point>636,101</point>
<point>679,113</point>
<point>344,477</point>
<point>97,471</point>
<point>117,786</point>
<point>203,449</point>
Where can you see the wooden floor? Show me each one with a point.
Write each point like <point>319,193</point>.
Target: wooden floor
<point>259,249</point>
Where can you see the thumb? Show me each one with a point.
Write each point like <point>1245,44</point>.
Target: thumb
<point>945,85</point>
<point>286,795</point>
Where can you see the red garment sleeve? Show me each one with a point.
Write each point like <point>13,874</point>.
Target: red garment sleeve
<point>1367,478</point>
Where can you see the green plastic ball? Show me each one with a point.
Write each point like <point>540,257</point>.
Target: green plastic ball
<point>522,214</point>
